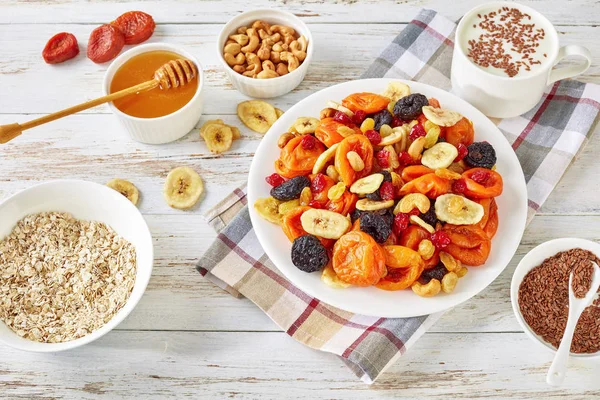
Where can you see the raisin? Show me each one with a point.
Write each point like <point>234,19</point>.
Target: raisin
<point>481,154</point>
<point>383,117</point>
<point>309,254</point>
<point>409,107</point>
<point>430,216</point>
<point>436,272</point>
<point>387,177</point>
<point>375,225</point>
<point>291,189</point>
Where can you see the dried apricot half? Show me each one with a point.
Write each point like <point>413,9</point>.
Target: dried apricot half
<point>368,102</point>
<point>361,146</point>
<point>404,267</point>
<point>468,244</point>
<point>358,259</point>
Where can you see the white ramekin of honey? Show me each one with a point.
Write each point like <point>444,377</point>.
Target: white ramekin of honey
<point>155,116</point>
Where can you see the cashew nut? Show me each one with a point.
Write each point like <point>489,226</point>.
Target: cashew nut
<point>281,69</point>
<point>429,290</point>
<point>290,59</point>
<point>264,53</point>
<point>262,25</point>
<point>275,57</point>
<point>283,30</point>
<point>242,29</point>
<point>288,39</point>
<point>234,60</point>
<point>451,263</point>
<point>254,41</point>
<point>412,201</point>
<point>327,113</point>
<point>229,41</point>
<point>303,43</point>
<point>295,49</point>
<point>449,282</point>
<point>241,39</point>
<point>284,139</point>
<point>240,69</point>
<point>254,65</point>
<point>416,220</point>
<point>267,73</point>
<point>232,48</point>
<point>268,64</point>
<point>278,46</point>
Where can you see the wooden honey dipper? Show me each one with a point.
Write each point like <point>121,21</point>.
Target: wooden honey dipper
<point>173,74</point>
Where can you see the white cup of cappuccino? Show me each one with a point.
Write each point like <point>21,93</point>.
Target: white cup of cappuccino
<point>503,79</point>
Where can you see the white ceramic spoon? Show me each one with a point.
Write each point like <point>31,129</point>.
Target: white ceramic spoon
<point>558,369</point>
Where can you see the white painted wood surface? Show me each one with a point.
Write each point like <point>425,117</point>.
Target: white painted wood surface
<point>188,338</point>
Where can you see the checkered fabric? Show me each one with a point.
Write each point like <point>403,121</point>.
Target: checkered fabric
<point>546,140</point>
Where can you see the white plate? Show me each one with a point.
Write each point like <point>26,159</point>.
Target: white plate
<point>88,201</point>
<point>512,212</point>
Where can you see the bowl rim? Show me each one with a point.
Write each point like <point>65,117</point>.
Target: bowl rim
<point>266,13</point>
<point>145,48</point>
<point>532,259</point>
<point>132,302</point>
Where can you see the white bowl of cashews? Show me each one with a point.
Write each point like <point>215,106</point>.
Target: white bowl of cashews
<point>255,74</point>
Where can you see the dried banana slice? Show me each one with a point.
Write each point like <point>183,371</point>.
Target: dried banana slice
<point>306,125</point>
<point>183,188</point>
<point>218,138</point>
<point>396,136</point>
<point>367,185</point>
<point>324,158</point>
<point>236,132</point>
<point>257,115</point>
<point>440,155</point>
<point>289,205</point>
<point>396,90</point>
<point>458,210</point>
<point>339,107</point>
<point>373,205</point>
<point>324,223</point>
<point>279,112</point>
<point>440,116</point>
<point>208,123</point>
<point>126,188</point>
<point>330,278</point>
<point>268,208</point>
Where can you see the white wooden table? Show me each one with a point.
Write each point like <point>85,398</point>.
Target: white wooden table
<point>187,337</point>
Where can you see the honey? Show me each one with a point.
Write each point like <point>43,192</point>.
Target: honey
<point>151,103</point>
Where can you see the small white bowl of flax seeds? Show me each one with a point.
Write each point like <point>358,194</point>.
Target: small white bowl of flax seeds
<point>540,294</point>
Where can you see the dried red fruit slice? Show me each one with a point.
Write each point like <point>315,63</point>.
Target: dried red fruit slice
<point>137,26</point>
<point>105,43</point>
<point>60,48</point>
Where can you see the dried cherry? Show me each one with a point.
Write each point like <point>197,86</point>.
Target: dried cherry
<point>373,136</point>
<point>290,189</point>
<point>481,154</point>
<point>308,254</point>
<point>409,107</point>
<point>416,132</point>
<point>274,179</point>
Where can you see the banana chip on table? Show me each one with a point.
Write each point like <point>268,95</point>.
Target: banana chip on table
<point>183,188</point>
<point>257,115</point>
<point>126,188</point>
<point>218,135</point>
<point>279,112</point>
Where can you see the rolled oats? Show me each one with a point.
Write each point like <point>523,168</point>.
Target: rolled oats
<point>62,278</point>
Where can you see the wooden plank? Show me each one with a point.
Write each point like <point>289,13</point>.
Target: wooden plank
<point>43,88</point>
<point>341,11</point>
<point>152,365</point>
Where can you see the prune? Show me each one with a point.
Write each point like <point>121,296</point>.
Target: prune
<point>481,154</point>
<point>430,216</point>
<point>385,213</point>
<point>375,196</point>
<point>436,272</point>
<point>309,254</point>
<point>409,107</point>
<point>383,117</point>
<point>387,177</point>
<point>376,225</point>
<point>291,189</point>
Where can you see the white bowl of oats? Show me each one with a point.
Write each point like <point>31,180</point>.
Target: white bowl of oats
<point>75,259</point>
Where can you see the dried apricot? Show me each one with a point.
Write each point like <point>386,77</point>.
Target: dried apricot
<point>482,183</point>
<point>461,132</point>
<point>61,47</point>
<point>404,267</point>
<point>344,205</point>
<point>415,171</point>
<point>430,185</point>
<point>468,243</point>
<point>358,259</point>
<point>362,146</point>
<point>327,131</point>
<point>370,103</point>
<point>296,160</point>
<point>137,26</point>
<point>320,185</point>
<point>491,225</point>
<point>105,42</point>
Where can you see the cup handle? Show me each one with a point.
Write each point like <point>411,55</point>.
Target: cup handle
<point>572,70</point>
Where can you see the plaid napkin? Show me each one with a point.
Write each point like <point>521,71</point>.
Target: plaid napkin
<point>546,140</point>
